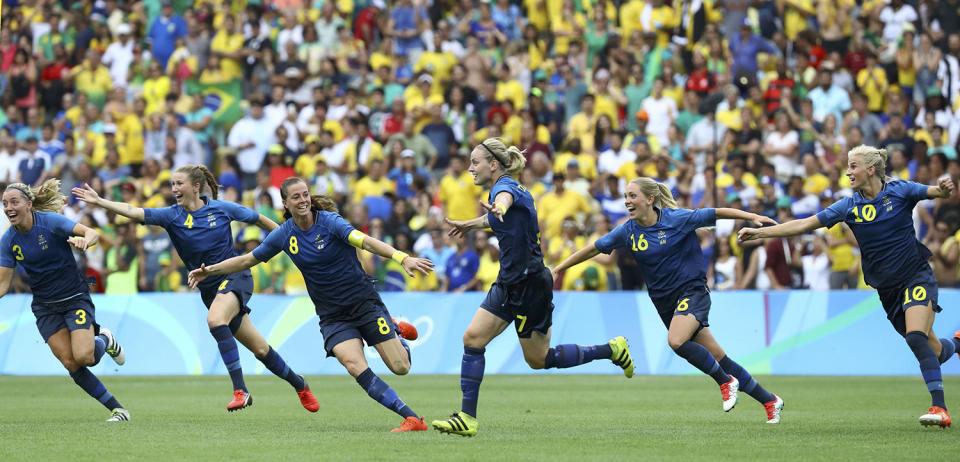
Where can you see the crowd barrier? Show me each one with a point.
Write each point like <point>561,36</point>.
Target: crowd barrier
<point>778,332</point>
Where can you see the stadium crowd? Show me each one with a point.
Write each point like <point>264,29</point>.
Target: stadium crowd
<point>746,104</point>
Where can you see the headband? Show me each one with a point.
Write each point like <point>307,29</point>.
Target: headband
<point>26,192</point>
<point>495,156</point>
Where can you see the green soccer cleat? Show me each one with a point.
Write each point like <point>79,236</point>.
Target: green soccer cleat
<point>621,355</point>
<point>460,423</point>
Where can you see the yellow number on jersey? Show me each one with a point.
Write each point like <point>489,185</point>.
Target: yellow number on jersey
<point>869,213</point>
<point>189,222</point>
<point>294,248</point>
<point>19,251</point>
<point>382,324</point>
<point>639,245</point>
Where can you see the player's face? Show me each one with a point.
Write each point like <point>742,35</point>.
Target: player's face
<point>480,168</point>
<point>15,206</point>
<point>637,204</point>
<point>856,172</point>
<point>298,200</point>
<point>183,189</point>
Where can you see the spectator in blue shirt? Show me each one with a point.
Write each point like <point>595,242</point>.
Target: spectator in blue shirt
<point>828,98</point>
<point>745,47</point>
<point>441,136</point>
<point>164,32</point>
<point>406,173</point>
<point>407,20</point>
<point>461,268</point>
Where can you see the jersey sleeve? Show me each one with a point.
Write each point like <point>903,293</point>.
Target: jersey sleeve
<point>61,224</point>
<point>159,217</point>
<point>613,240</point>
<point>835,213</point>
<point>237,212</point>
<point>503,187</point>
<point>6,254</point>
<point>700,218</point>
<point>915,192</point>
<point>270,246</point>
<point>339,226</point>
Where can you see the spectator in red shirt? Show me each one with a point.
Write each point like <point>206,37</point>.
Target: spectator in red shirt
<point>366,25</point>
<point>701,79</point>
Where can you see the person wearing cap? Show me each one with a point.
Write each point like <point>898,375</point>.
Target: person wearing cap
<point>560,203</point>
<point>268,277</point>
<point>164,32</point>
<point>405,174</point>
<point>420,98</point>
<point>326,181</point>
<point>365,24</point>
<point>608,98</point>
<point>745,46</point>
<point>119,55</point>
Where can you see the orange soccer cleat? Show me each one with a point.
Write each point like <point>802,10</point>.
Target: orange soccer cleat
<point>241,399</point>
<point>773,409</point>
<point>936,415</point>
<point>407,331</point>
<point>411,424</point>
<point>307,399</point>
<point>728,391</point>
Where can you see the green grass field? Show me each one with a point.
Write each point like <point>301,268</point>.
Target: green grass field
<point>532,417</point>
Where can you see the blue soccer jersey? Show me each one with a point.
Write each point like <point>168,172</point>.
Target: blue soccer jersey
<point>335,280</point>
<point>667,253</point>
<point>45,255</point>
<point>203,235</point>
<point>883,226</point>
<point>519,233</point>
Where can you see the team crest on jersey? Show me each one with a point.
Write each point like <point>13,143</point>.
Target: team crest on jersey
<point>886,203</point>
<point>42,242</point>
<point>211,220</point>
<point>320,241</point>
<point>662,236</point>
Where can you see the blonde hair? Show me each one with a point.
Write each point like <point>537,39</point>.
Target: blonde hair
<point>873,157</point>
<point>511,158</point>
<point>199,174</point>
<point>45,198</point>
<point>663,198</point>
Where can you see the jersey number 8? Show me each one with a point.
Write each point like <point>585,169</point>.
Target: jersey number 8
<point>294,248</point>
<point>382,324</point>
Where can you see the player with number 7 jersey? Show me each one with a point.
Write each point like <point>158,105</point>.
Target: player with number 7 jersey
<point>324,248</point>
<point>663,240</point>
<point>199,228</point>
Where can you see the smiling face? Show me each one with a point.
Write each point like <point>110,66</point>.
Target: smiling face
<point>858,172</point>
<point>637,204</point>
<point>16,206</point>
<point>297,200</point>
<point>480,166</point>
<point>183,190</point>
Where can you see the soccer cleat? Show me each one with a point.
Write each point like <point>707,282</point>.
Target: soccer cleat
<point>411,424</point>
<point>241,399</point>
<point>460,423</point>
<point>621,355</point>
<point>773,409</point>
<point>113,347</point>
<point>729,393</point>
<point>407,330</point>
<point>119,415</point>
<point>936,415</point>
<point>307,399</point>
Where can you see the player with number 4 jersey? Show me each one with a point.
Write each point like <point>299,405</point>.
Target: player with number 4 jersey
<point>39,240</point>
<point>663,240</point>
<point>199,227</point>
<point>880,214</point>
<point>324,248</point>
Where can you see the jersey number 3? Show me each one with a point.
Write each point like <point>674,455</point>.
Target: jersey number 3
<point>18,251</point>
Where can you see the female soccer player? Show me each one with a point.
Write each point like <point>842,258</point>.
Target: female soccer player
<point>319,241</point>
<point>665,245</point>
<point>893,261</point>
<point>39,240</point>
<point>523,291</point>
<point>199,228</point>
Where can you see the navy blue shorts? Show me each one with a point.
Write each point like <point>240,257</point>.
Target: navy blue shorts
<point>76,313</point>
<point>528,303</point>
<point>919,291</point>
<point>369,321</point>
<point>241,285</point>
<point>691,299</point>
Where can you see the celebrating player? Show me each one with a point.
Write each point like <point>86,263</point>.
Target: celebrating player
<point>894,261</point>
<point>319,241</point>
<point>199,228</point>
<point>523,292</point>
<point>39,240</point>
<point>664,243</point>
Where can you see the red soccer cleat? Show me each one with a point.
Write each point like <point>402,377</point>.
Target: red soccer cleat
<point>935,416</point>
<point>773,409</point>
<point>729,393</point>
<point>411,424</point>
<point>241,399</point>
<point>307,399</point>
<point>407,331</point>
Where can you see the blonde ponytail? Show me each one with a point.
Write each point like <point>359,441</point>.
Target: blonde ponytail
<point>873,157</point>
<point>45,198</point>
<point>510,158</point>
<point>663,198</point>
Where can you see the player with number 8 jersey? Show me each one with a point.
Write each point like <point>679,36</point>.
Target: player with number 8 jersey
<point>880,214</point>
<point>324,248</point>
<point>199,228</point>
<point>663,240</point>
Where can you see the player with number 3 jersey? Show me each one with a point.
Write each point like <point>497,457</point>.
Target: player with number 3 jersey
<point>894,261</point>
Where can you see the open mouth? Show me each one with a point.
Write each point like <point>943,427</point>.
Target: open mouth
<point>11,215</point>
<point>178,196</point>
<point>303,208</point>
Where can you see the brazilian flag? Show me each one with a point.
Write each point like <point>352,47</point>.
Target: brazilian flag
<point>222,98</point>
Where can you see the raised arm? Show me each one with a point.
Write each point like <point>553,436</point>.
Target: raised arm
<point>84,237</point>
<point>790,228</point>
<point>88,195</point>
<point>500,205</point>
<point>228,266</point>
<point>577,258</point>
<point>942,191</point>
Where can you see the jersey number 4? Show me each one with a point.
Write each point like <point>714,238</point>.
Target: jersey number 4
<point>189,222</point>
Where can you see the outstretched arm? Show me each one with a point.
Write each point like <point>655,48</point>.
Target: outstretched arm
<point>578,257</point>
<point>266,224</point>
<point>376,246</point>
<point>943,190</point>
<point>498,208</point>
<point>228,266</point>
<point>88,195</point>
<point>734,214</point>
<point>790,228</point>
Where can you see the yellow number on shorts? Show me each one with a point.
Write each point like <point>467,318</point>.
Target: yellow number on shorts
<point>293,245</point>
<point>19,251</point>
<point>223,285</point>
<point>382,324</point>
<point>523,322</point>
<point>682,306</point>
<point>81,317</point>
<point>869,213</point>
<point>919,294</point>
<point>189,222</point>
<point>638,244</point>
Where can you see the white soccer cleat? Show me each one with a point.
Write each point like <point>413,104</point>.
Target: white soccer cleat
<point>119,415</point>
<point>728,392</point>
<point>773,409</point>
<point>113,347</point>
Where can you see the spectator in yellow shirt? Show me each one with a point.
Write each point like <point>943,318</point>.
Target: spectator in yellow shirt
<point>227,44</point>
<point>373,184</point>
<point>872,81</point>
<point>558,204</point>
<point>582,124</point>
<point>92,78</point>
<point>457,191</point>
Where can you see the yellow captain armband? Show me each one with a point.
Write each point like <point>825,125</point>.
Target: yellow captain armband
<point>356,238</point>
<point>501,207</point>
<point>398,256</point>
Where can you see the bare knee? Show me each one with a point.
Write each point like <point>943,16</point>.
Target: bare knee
<point>536,362</point>
<point>70,365</point>
<point>353,367</point>
<point>400,366</point>
<point>214,321</point>
<point>260,351</point>
<point>473,339</point>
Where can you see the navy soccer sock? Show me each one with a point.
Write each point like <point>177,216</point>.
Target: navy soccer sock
<point>231,356</point>
<point>747,383</point>
<point>569,355</point>
<point>383,394</point>
<point>94,387</point>
<point>948,348</point>
<point>929,366</point>
<point>279,367</point>
<point>471,374</point>
<point>701,358</point>
<point>99,347</point>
